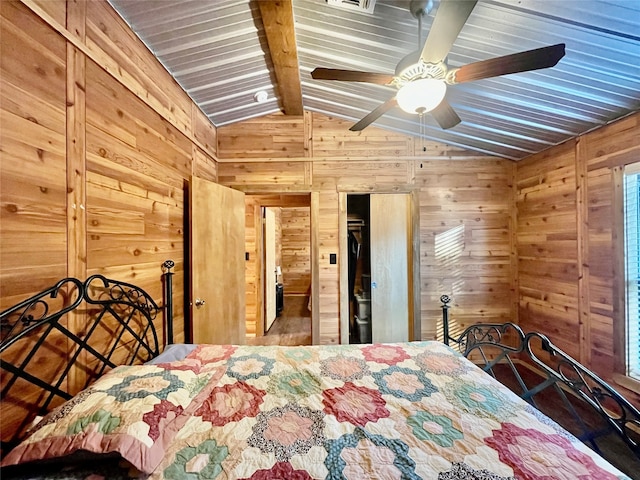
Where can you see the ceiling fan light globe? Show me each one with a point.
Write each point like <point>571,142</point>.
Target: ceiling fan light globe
<point>420,96</point>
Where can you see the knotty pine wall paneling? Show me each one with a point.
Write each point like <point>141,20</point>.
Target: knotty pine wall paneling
<point>329,274</point>
<point>253,277</point>
<point>57,9</point>
<point>278,220</point>
<point>296,250</point>
<point>76,169</point>
<point>33,222</point>
<point>603,154</point>
<point>547,246</point>
<point>33,182</point>
<point>120,52</point>
<point>602,269</point>
<point>362,176</point>
<point>205,138</point>
<point>203,165</point>
<point>271,136</point>
<point>98,142</point>
<point>330,140</point>
<point>455,188</point>
<point>76,147</point>
<point>465,243</point>
<point>569,245</point>
<point>263,177</point>
<point>136,166</point>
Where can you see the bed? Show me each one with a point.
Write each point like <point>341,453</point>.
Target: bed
<point>403,410</point>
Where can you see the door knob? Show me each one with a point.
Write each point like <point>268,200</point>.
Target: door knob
<point>199,303</point>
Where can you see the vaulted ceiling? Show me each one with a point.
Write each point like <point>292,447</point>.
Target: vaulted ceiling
<point>223,52</point>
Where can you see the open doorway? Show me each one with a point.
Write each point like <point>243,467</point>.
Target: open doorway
<point>278,269</point>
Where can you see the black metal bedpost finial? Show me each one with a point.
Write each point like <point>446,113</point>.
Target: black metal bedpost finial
<point>445,299</point>
<point>168,297</point>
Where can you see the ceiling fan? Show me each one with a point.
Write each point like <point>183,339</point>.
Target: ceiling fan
<point>422,76</point>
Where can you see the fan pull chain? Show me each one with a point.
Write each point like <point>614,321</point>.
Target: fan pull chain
<point>422,131</point>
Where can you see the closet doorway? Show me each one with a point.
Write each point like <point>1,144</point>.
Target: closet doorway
<point>380,300</point>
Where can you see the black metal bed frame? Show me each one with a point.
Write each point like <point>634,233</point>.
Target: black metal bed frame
<point>97,300</point>
<point>507,347</point>
<point>103,306</point>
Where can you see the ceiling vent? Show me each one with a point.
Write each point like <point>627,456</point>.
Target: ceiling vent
<point>365,6</point>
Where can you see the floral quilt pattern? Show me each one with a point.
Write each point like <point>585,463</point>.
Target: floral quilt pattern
<point>414,410</point>
<point>132,410</point>
<point>405,411</point>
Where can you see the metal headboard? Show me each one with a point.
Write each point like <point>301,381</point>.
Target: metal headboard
<point>505,347</point>
<point>59,341</point>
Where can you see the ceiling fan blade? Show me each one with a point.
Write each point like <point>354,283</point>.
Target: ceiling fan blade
<point>517,62</point>
<point>449,20</point>
<point>351,76</point>
<point>374,115</point>
<point>445,115</point>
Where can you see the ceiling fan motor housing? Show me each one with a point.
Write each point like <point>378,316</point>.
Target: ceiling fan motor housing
<point>411,68</point>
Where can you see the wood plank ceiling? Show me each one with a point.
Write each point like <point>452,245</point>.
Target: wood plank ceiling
<point>223,52</point>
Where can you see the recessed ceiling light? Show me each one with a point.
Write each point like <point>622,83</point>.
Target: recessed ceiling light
<point>261,96</point>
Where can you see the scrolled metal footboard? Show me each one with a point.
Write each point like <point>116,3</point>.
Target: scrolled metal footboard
<point>563,373</point>
<point>495,344</point>
<point>535,369</point>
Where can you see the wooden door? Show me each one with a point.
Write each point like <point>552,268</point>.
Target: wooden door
<point>390,245</point>
<point>269,267</point>
<point>217,216</point>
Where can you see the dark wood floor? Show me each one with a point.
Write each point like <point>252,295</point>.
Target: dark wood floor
<point>292,327</point>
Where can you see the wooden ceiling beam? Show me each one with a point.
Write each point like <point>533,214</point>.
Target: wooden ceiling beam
<point>277,19</point>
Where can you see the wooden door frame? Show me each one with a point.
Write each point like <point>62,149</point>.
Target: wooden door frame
<point>269,284</point>
<point>415,326</point>
<point>314,208</point>
<point>260,281</point>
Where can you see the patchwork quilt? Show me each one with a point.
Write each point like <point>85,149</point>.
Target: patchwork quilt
<point>414,410</point>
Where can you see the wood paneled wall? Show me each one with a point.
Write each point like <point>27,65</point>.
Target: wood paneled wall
<point>466,247</point>
<point>278,219</point>
<point>600,158</point>
<point>277,136</point>
<point>296,250</point>
<point>569,245</point>
<point>33,178</point>
<point>253,251</point>
<point>548,245</point>
<point>457,190</point>
<point>97,142</point>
